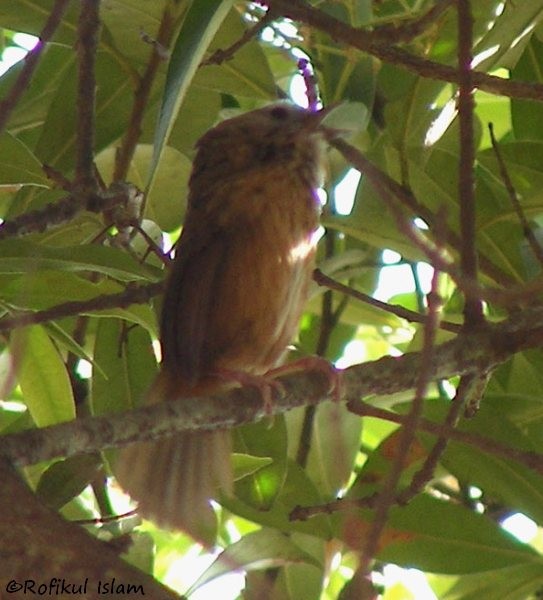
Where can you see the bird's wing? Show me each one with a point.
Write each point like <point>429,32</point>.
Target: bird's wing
<point>190,296</point>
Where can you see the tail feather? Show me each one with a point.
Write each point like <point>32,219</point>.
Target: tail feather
<point>173,478</point>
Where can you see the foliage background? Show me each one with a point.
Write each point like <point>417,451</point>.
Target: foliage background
<point>451,530</point>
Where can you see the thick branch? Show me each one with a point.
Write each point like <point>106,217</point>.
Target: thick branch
<point>62,211</point>
<point>470,353</point>
<point>39,546</point>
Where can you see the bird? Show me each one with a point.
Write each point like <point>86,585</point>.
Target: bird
<point>234,296</point>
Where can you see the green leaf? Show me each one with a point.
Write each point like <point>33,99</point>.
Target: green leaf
<point>506,481</point>
<point>523,160</point>
<point>28,115</point>
<point>21,256</point>
<point>30,17</point>
<point>66,342</point>
<point>520,581</point>
<point>297,490</point>
<point>18,166</point>
<point>334,444</point>
<point>446,538</point>
<point>244,464</point>
<point>261,488</point>
<point>45,289</point>
<point>264,549</point>
<point>57,143</point>
<point>201,23</point>
<point>124,22</point>
<point>503,44</point>
<point>527,122</point>
<point>66,479</point>
<point>511,483</point>
<point>42,376</point>
<point>127,363</point>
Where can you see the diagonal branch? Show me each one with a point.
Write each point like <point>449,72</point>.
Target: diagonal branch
<point>396,309</point>
<point>515,200</point>
<point>133,294</point>
<point>405,32</point>
<point>125,152</point>
<point>220,55</point>
<point>31,61</point>
<point>38,543</point>
<point>396,197</point>
<point>386,496</point>
<point>365,41</point>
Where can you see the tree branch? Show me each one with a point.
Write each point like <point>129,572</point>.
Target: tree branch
<point>220,55</point>
<point>386,496</point>
<point>125,151</point>
<point>400,311</point>
<point>395,196</point>
<point>39,546</point>
<point>64,210</point>
<point>515,201</point>
<point>476,352</point>
<point>365,41</point>
<point>133,294</point>
<point>87,43</point>
<point>31,62</point>
<point>473,307</point>
<point>405,32</point>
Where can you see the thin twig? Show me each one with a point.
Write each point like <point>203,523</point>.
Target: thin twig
<point>424,475</point>
<point>87,44</point>
<point>125,152</point>
<point>31,61</point>
<point>328,321</point>
<point>390,190</point>
<point>515,200</point>
<point>473,307</point>
<point>310,81</point>
<point>405,32</point>
<point>107,519</point>
<point>386,496</point>
<point>133,294</point>
<point>220,56</point>
<point>383,182</point>
<point>396,197</point>
<point>529,459</point>
<point>403,313</point>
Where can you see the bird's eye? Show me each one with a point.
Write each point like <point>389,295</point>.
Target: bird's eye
<point>279,112</point>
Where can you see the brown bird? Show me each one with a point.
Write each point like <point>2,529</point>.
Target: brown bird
<point>234,297</point>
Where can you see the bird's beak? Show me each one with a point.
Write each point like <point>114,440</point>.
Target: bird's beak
<point>317,120</point>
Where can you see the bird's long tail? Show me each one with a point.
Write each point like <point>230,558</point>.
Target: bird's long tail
<point>173,479</point>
